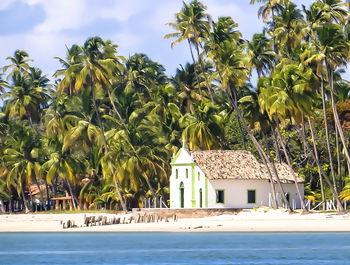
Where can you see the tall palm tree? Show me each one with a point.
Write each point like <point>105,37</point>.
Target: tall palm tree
<point>289,28</point>
<point>333,48</point>
<point>97,66</point>
<point>261,57</point>
<point>191,25</point>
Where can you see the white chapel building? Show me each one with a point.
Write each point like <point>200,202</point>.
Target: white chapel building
<point>227,179</point>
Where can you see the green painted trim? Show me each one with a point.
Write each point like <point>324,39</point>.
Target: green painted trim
<point>206,192</point>
<point>254,198</point>
<point>186,173</point>
<point>176,156</point>
<point>193,188</point>
<point>182,165</point>
<point>217,198</point>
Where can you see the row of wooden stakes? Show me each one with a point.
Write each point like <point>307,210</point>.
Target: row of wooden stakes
<point>103,220</point>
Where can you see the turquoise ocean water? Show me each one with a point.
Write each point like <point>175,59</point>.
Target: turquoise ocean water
<point>174,248</point>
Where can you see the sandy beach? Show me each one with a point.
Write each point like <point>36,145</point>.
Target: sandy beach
<point>262,220</point>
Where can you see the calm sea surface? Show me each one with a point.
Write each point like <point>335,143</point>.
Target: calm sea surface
<point>174,248</point>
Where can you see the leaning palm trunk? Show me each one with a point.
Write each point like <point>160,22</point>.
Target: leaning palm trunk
<point>71,194</point>
<point>290,166</point>
<point>338,160</point>
<point>106,147</point>
<point>315,156</point>
<point>285,201</point>
<point>335,112</point>
<point>261,152</point>
<point>149,184</point>
<point>195,70</point>
<point>239,123</point>
<point>327,132</point>
<point>24,202</point>
<point>114,107</point>
<point>47,194</point>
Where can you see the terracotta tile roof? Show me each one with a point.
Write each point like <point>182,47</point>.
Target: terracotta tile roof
<point>237,164</point>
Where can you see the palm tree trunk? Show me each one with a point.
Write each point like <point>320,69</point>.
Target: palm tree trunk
<point>47,195</point>
<point>205,76</point>
<point>24,201</point>
<point>106,147</point>
<point>303,134</point>
<point>284,198</point>
<point>327,132</point>
<point>71,194</point>
<point>149,185</point>
<point>278,155</point>
<point>315,156</point>
<point>239,122</point>
<point>114,107</point>
<point>258,147</point>
<point>195,71</point>
<point>290,165</point>
<point>338,160</point>
<point>335,112</point>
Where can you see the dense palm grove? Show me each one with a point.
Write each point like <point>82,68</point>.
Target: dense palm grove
<point>105,131</point>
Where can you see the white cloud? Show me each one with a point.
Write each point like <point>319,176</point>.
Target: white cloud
<point>74,14</point>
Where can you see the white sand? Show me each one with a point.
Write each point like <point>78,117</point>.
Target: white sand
<point>247,220</point>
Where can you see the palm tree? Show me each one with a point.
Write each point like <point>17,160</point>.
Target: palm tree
<point>261,57</point>
<point>333,48</point>
<point>289,28</point>
<point>204,129</point>
<point>332,11</point>
<point>284,97</point>
<point>63,163</point>
<point>97,66</point>
<point>21,157</point>
<point>185,84</point>
<point>19,63</point>
<point>25,98</point>
<point>191,25</point>
<point>270,8</point>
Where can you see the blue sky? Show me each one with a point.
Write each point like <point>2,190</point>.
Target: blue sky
<point>44,28</point>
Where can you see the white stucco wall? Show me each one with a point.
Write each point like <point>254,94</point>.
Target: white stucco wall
<point>236,193</point>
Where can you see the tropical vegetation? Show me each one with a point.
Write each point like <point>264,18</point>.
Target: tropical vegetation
<point>104,128</point>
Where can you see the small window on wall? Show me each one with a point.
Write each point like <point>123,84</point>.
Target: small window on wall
<point>187,173</point>
<point>199,176</point>
<point>177,173</point>
<point>220,196</point>
<point>251,196</point>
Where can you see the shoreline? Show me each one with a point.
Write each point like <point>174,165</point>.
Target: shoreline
<point>261,220</point>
